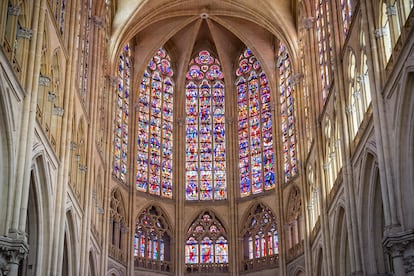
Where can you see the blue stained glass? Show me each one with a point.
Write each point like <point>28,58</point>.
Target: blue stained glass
<point>287,114</point>
<point>155,128</point>
<point>254,126</point>
<point>120,153</point>
<point>205,129</point>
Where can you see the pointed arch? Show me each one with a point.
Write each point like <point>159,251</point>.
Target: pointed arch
<point>205,129</point>
<point>288,112</point>
<point>206,248</point>
<point>342,262</point>
<point>152,240</point>
<point>70,246</point>
<point>294,218</point>
<point>154,169</point>
<point>371,207</point>
<point>118,226</point>
<point>255,134</point>
<point>7,159</point>
<point>120,150</point>
<point>260,236</point>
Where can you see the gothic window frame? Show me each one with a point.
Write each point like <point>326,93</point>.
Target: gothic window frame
<point>121,116</point>
<point>206,238</point>
<point>153,230</point>
<point>260,250</point>
<point>154,127</point>
<point>83,48</point>
<point>294,217</point>
<point>205,180</point>
<point>288,113</point>
<point>118,227</point>
<point>324,46</point>
<point>256,166</point>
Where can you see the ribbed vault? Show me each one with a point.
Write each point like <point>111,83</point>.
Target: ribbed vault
<point>221,26</point>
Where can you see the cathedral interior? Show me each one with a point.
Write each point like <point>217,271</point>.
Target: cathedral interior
<point>206,137</point>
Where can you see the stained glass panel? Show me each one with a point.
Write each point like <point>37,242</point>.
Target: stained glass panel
<point>287,113</point>
<point>205,130</point>
<point>154,171</point>
<point>206,243</point>
<point>121,115</point>
<point>256,154</point>
<point>260,234</point>
<point>324,44</point>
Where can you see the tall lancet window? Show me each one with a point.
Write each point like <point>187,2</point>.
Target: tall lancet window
<point>205,130</point>
<point>256,153</point>
<point>287,113</point>
<point>324,44</point>
<point>121,115</point>
<point>155,127</point>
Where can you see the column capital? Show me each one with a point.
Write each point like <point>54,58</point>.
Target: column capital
<point>12,251</point>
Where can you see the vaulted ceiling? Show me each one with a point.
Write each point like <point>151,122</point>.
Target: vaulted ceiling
<point>223,27</point>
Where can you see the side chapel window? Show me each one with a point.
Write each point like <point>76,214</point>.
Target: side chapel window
<point>206,248</point>
<point>260,239</point>
<point>152,240</point>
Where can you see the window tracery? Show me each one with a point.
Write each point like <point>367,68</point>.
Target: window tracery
<point>155,127</point>
<point>121,115</point>
<point>256,153</point>
<point>324,45</point>
<point>118,227</point>
<point>260,239</point>
<point>84,17</point>
<point>152,240</point>
<point>288,118</point>
<point>205,129</point>
<point>206,248</point>
<point>293,217</point>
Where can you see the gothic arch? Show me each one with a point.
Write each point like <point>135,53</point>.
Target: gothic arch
<point>70,247</point>
<point>38,213</point>
<point>341,244</point>
<point>404,121</point>
<point>118,223</point>
<point>293,217</point>
<point>371,207</point>
<point>6,147</point>
<point>260,236</point>
<point>153,236</point>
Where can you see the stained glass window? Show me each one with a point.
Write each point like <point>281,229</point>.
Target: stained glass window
<point>118,223</point>
<point>152,240</point>
<point>325,44</point>
<point>155,127</point>
<point>256,153</point>
<point>346,9</point>
<point>206,245</point>
<point>260,238</point>
<point>205,129</point>
<point>84,17</point>
<point>288,118</point>
<point>121,115</point>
